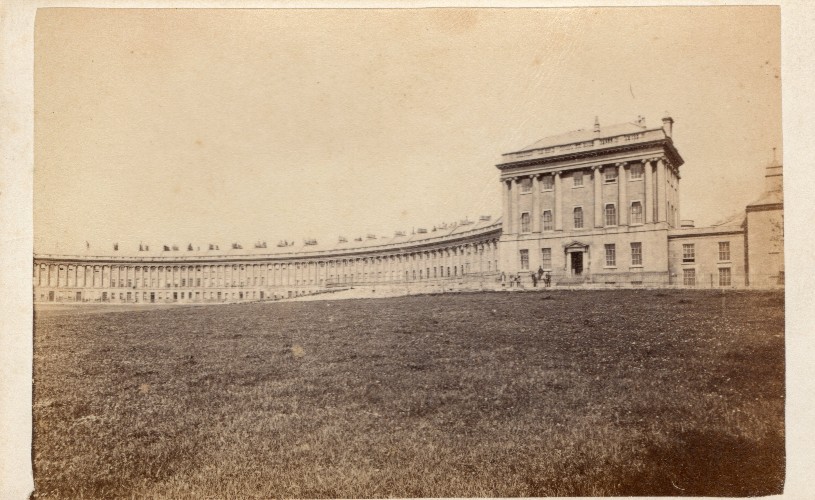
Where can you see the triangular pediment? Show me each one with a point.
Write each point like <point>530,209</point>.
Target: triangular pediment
<point>576,244</point>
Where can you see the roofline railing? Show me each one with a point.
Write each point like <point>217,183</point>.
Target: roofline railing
<point>450,237</point>
<point>584,145</point>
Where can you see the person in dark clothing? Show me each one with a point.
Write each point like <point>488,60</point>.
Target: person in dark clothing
<point>534,280</point>
<point>540,273</point>
<point>547,280</point>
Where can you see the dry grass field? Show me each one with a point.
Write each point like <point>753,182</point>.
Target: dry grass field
<point>630,392</point>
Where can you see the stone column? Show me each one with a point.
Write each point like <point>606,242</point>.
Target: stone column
<point>558,215</point>
<point>515,203</point>
<point>597,172</point>
<point>676,200</point>
<point>662,186</point>
<point>536,204</point>
<point>648,206</point>
<point>506,205</point>
<point>622,202</point>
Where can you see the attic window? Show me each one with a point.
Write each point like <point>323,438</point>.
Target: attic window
<point>610,175</point>
<point>548,182</point>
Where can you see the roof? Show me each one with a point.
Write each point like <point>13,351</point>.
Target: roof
<point>593,142</point>
<point>768,198</point>
<point>584,135</point>
<point>440,233</point>
<point>730,224</point>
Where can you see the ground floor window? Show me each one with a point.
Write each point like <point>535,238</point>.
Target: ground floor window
<point>689,277</point>
<point>546,258</point>
<point>636,254</point>
<point>611,255</point>
<point>525,259</point>
<point>724,276</point>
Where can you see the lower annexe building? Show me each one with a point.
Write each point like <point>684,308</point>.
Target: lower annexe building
<point>595,207</point>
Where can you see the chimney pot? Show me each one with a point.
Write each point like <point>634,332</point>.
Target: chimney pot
<point>667,124</point>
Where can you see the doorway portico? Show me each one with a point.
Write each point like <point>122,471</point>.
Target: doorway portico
<point>577,258</point>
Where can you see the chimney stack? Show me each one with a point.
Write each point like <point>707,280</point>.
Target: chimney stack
<point>596,125</point>
<point>667,124</point>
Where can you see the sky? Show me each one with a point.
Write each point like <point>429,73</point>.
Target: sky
<point>221,126</point>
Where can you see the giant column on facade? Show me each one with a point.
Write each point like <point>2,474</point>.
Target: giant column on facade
<point>536,204</point>
<point>648,208</point>
<point>662,186</point>
<point>622,185</point>
<point>558,202</point>
<point>597,172</point>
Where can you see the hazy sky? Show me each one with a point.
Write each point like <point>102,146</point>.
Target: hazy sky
<point>178,126</point>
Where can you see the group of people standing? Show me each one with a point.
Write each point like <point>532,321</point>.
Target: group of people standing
<point>514,280</point>
<point>546,277</point>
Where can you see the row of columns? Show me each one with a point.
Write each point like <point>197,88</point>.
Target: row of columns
<point>654,203</point>
<point>456,260</point>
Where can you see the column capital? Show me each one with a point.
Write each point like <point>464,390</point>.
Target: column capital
<point>558,173</point>
<point>621,164</point>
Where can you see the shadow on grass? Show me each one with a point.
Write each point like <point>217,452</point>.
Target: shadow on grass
<point>709,464</point>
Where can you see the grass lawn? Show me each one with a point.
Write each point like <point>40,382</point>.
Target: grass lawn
<point>626,392</point>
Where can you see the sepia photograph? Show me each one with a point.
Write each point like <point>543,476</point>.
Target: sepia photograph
<point>412,253</point>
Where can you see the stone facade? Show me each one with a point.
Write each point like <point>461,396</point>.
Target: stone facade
<point>593,207</point>
<point>448,258</point>
<point>764,228</point>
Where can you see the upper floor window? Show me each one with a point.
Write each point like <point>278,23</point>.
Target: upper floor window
<point>636,212</point>
<point>577,178</point>
<point>724,250</point>
<point>611,255</point>
<point>578,218</point>
<point>635,172</point>
<point>526,185</point>
<point>610,174</point>
<point>636,253</point>
<point>548,182</point>
<point>688,252</point>
<point>611,215</point>
<point>547,220</point>
<point>525,222</point>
